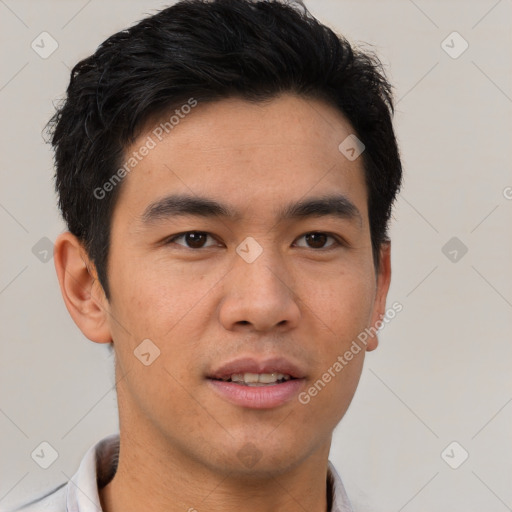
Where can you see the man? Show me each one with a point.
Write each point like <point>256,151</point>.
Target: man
<point>227,171</point>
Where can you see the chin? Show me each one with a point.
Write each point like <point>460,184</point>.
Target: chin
<point>259,457</point>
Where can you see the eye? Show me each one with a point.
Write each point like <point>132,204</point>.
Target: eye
<point>318,239</point>
<point>192,239</point>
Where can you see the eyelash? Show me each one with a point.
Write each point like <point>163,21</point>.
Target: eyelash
<point>338,242</point>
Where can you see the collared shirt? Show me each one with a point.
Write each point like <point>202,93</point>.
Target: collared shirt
<point>99,466</point>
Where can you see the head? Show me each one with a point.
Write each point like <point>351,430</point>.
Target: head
<point>228,119</point>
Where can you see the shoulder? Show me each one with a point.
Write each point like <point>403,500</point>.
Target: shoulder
<point>97,467</point>
<point>53,501</point>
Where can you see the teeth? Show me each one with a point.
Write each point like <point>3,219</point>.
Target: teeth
<point>257,379</point>
<point>267,378</point>
<point>250,378</point>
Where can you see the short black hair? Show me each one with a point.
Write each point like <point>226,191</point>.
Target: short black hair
<point>210,50</point>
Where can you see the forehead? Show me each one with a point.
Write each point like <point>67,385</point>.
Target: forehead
<point>252,155</point>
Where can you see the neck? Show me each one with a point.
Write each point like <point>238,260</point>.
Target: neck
<point>151,475</point>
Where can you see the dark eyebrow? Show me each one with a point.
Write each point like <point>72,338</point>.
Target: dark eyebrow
<point>185,205</point>
<point>336,205</point>
<point>176,205</point>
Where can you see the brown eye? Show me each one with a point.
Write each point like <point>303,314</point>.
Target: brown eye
<point>317,240</point>
<point>195,240</point>
<point>192,239</point>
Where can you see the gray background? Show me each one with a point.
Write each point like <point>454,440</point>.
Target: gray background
<point>442,370</point>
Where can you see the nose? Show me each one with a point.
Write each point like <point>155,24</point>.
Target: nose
<point>259,295</point>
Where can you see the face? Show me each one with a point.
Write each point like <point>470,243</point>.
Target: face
<point>256,284</point>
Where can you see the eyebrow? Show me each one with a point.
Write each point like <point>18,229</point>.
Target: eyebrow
<point>336,205</point>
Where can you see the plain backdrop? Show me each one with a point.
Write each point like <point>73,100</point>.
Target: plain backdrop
<point>442,371</point>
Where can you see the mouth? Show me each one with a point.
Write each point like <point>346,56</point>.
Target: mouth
<point>257,384</point>
<point>257,379</point>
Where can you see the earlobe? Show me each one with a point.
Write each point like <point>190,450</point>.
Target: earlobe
<point>382,288</point>
<point>80,288</point>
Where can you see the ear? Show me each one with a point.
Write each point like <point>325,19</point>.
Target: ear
<point>81,290</point>
<point>382,287</point>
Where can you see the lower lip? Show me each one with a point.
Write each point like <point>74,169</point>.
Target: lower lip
<point>257,397</point>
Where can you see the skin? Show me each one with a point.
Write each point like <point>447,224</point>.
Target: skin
<point>180,442</point>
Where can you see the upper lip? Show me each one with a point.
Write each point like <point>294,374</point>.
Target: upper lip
<point>255,365</point>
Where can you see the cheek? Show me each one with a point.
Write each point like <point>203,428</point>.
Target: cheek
<point>151,299</point>
<point>329,393</point>
<point>341,311</point>
<point>157,306</point>
<point>343,305</point>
